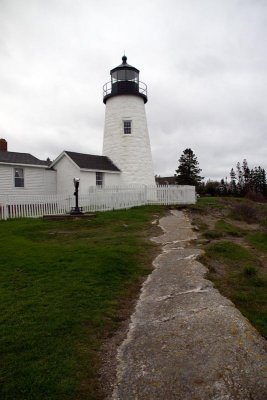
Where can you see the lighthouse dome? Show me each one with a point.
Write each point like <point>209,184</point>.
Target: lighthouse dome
<point>124,80</point>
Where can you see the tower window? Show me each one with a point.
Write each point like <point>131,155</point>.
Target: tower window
<point>99,179</point>
<point>127,126</point>
<point>19,177</point>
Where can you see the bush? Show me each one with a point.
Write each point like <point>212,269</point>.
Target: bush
<point>250,271</point>
<point>245,212</point>
<point>256,196</point>
<point>213,234</point>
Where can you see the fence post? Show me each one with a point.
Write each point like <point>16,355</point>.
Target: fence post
<point>3,210</point>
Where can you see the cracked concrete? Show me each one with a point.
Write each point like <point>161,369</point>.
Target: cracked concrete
<point>185,340</point>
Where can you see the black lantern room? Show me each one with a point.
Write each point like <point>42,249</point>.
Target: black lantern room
<point>124,80</point>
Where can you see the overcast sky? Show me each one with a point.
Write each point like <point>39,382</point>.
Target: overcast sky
<point>204,61</point>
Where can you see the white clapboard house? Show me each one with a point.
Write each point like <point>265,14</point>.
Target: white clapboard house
<point>23,174</point>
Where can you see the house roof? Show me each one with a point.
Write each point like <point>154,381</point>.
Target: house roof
<point>12,157</point>
<point>90,161</point>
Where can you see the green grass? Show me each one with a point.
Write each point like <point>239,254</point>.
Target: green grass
<point>227,228</point>
<point>210,201</point>
<point>230,252</point>
<point>62,286</point>
<point>212,234</point>
<point>258,239</point>
<point>222,228</point>
<point>207,202</point>
<point>202,226</point>
<point>243,279</point>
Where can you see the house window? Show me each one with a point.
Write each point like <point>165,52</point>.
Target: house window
<point>19,177</point>
<point>99,179</point>
<point>127,126</point>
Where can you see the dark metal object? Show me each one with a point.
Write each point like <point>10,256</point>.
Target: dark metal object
<point>76,210</point>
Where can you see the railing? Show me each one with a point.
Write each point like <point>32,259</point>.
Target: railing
<point>108,198</point>
<point>141,87</point>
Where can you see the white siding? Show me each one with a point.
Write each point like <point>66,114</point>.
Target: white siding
<point>50,181</point>
<point>112,179</point>
<point>131,153</point>
<point>37,181</point>
<point>88,178</point>
<point>66,171</point>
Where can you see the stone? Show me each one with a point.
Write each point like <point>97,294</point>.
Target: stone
<point>185,340</point>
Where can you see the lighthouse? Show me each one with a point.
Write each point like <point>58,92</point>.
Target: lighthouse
<point>126,139</point>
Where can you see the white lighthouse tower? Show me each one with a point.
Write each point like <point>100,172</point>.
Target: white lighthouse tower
<point>126,140</point>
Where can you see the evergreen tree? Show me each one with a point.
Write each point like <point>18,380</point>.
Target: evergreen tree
<point>248,180</point>
<point>258,180</point>
<point>188,170</point>
<point>212,188</point>
<point>233,189</point>
<point>222,188</point>
<point>240,181</point>
<point>264,182</point>
<point>246,176</point>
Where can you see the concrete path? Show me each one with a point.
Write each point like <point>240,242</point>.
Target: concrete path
<point>185,340</point>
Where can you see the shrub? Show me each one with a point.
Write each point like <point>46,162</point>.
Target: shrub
<point>212,234</point>
<point>256,196</point>
<point>245,212</point>
<point>250,271</point>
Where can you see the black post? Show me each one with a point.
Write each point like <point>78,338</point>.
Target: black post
<point>76,194</point>
<point>76,210</point>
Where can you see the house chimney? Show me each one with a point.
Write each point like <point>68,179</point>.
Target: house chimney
<point>3,145</point>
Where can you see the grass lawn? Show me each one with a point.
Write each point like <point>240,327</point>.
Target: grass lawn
<point>259,240</point>
<point>62,286</point>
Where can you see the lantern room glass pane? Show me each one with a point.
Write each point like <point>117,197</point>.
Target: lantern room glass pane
<point>131,75</point>
<point>125,75</point>
<point>114,77</point>
<point>121,75</point>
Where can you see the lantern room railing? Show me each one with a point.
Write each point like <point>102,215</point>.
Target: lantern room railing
<point>141,88</point>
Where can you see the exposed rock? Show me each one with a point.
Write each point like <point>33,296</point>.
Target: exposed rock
<point>185,340</point>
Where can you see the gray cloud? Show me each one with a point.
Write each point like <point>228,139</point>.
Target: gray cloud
<point>204,63</point>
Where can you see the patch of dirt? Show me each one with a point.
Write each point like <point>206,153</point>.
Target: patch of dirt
<point>243,225</point>
<point>217,267</point>
<point>209,220</point>
<point>108,370</point>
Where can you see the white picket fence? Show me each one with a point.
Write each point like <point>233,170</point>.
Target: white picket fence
<point>108,198</point>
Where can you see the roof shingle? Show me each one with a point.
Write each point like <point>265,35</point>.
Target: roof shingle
<point>90,161</point>
<point>21,158</point>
